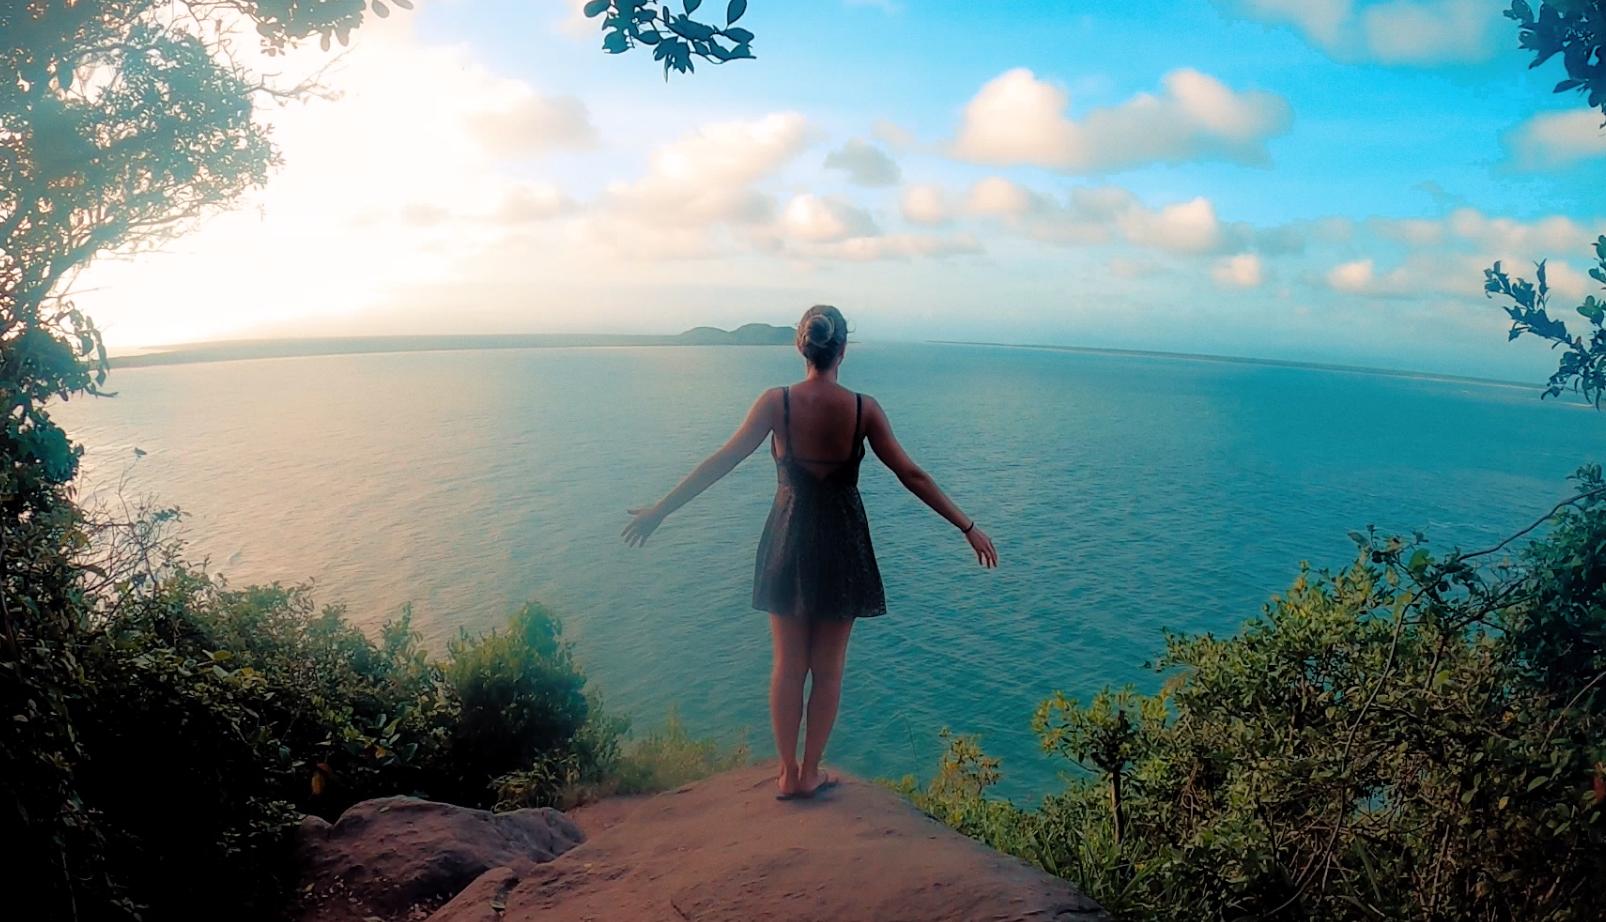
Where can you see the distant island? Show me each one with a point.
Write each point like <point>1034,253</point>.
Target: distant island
<point>748,334</point>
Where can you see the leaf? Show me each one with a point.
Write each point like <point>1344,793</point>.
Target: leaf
<point>735,11</point>
<point>614,43</point>
<point>691,5</point>
<point>404,4</point>
<point>380,9</point>
<point>740,36</point>
<point>1537,782</point>
<point>595,8</point>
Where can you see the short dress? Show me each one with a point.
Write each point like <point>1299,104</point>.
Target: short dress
<point>815,559</point>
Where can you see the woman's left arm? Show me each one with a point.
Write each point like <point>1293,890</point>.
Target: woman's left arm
<point>754,428</point>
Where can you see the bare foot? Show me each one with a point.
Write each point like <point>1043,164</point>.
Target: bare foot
<point>787,784</point>
<point>812,781</point>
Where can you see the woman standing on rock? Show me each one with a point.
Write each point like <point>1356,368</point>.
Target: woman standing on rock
<point>816,571</point>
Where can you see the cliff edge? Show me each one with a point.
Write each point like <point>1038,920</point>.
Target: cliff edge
<point>720,850</point>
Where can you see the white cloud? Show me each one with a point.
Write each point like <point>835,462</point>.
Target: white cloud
<point>901,246</point>
<point>1094,215</point>
<point>529,124</point>
<point>813,219</point>
<point>1351,277</point>
<point>1185,227</point>
<point>1554,140</point>
<point>1422,33</point>
<point>328,237</point>
<point>893,134</point>
<point>1241,271</point>
<point>1017,118</point>
<point>864,163</point>
<point>1323,20</point>
<point>999,197</point>
<point>706,177</point>
<point>1509,237</point>
<point>1429,32</point>
<point>529,201</point>
<point>924,203</point>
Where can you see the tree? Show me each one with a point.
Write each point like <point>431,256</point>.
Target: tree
<point>674,38</point>
<point>1576,30</point>
<point>121,123</point>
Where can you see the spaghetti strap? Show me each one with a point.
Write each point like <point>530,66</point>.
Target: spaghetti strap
<point>858,414</point>
<point>786,417</point>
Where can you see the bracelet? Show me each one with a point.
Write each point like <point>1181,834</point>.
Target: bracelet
<point>968,528</point>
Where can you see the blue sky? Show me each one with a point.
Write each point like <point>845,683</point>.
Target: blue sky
<point>1306,179</point>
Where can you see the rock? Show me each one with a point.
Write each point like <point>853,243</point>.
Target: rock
<point>724,850</point>
<point>398,857</point>
<point>484,900</point>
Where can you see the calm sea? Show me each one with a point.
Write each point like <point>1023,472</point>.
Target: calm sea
<point>1126,494</point>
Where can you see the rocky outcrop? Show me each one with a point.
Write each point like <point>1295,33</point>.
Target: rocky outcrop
<point>401,858</point>
<point>720,850</point>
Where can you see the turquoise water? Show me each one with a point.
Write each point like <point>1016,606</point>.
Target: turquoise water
<point>1126,494</point>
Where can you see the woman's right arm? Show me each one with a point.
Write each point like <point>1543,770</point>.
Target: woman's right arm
<point>878,429</point>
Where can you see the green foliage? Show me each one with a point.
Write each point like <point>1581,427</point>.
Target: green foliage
<point>668,758</point>
<point>121,121</point>
<point>598,766</point>
<point>1416,736</point>
<point>520,697</point>
<point>1574,29</point>
<point>1582,367</point>
<point>204,720</point>
<point>675,38</point>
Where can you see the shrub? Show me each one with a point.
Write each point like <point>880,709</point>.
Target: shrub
<point>522,704</point>
<point>666,759</point>
<point>1413,737</point>
<point>204,720</point>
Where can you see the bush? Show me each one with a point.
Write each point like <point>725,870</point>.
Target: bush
<point>522,704</point>
<point>205,720</point>
<point>1410,738</point>
<point>600,767</point>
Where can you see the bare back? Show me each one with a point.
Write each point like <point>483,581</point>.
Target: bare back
<point>818,425</point>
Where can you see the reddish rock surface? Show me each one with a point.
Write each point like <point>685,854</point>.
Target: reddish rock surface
<point>400,858</point>
<point>724,850</point>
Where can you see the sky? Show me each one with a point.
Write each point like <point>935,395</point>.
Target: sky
<point>1319,180</point>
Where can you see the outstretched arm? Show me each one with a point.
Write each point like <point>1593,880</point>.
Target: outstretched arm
<point>885,445</point>
<point>751,434</point>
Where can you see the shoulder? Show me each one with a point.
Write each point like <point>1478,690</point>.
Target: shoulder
<point>870,407</point>
<point>770,400</point>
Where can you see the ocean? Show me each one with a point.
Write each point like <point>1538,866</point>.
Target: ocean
<point>1127,494</point>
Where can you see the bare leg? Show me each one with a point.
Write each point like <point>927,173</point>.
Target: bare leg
<point>790,664</point>
<point>828,652</point>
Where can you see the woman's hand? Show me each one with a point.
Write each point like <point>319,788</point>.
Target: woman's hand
<point>986,554</point>
<point>644,521</point>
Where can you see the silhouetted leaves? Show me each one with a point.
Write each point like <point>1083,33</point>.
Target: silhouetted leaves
<point>676,38</point>
<point>1582,367</point>
<point>1575,29</point>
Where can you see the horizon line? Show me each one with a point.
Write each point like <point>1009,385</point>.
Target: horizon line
<point>226,350</point>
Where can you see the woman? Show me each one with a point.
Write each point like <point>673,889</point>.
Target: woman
<point>816,572</point>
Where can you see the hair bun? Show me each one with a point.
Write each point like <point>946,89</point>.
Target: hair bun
<point>822,334</point>
<point>821,330</point>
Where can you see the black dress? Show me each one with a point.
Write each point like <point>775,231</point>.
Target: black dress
<point>814,559</point>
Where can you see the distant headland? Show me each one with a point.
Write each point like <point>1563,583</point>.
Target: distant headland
<point>749,334</point>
